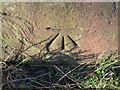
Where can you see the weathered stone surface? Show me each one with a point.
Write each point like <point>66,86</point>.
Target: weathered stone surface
<point>67,28</point>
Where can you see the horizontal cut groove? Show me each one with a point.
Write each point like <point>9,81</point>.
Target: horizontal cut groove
<point>62,44</point>
<point>3,13</point>
<point>62,29</point>
<point>74,43</point>
<point>49,43</point>
<point>48,28</point>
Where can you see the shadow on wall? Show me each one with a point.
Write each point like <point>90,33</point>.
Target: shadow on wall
<point>60,58</point>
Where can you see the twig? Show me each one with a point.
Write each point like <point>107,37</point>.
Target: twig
<point>101,54</point>
<point>102,79</point>
<point>17,80</point>
<point>45,81</point>
<point>19,63</point>
<point>38,83</point>
<point>68,73</point>
<point>34,86</point>
<point>68,76</point>
<point>117,67</point>
<point>63,73</point>
<point>42,88</point>
<point>9,55</point>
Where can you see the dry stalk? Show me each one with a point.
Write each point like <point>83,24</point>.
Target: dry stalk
<point>65,75</point>
<point>68,73</point>
<point>9,55</point>
<point>24,79</point>
<point>101,54</point>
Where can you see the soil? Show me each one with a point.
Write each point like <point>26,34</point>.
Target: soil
<point>88,28</point>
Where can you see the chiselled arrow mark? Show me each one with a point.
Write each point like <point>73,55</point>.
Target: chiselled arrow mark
<point>49,43</point>
<point>63,43</point>
<point>63,39</point>
<point>74,43</point>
